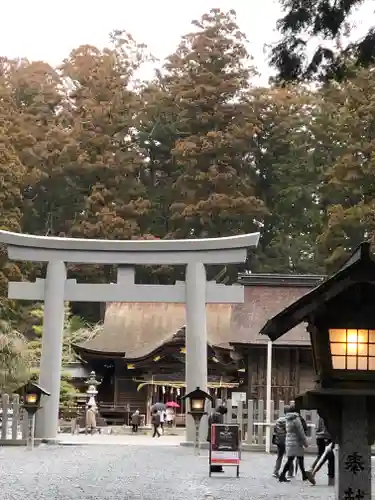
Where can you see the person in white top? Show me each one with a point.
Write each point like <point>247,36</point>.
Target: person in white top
<point>170,417</point>
<point>162,419</point>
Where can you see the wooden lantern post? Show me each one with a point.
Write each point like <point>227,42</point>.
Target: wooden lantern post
<point>341,322</point>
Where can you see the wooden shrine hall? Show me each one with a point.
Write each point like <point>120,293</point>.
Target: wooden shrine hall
<point>139,354</point>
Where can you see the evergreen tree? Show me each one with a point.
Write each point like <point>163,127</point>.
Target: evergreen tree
<point>103,158</point>
<point>323,19</point>
<point>348,190</point>
<point>289,176</point>
<point>213,185</point>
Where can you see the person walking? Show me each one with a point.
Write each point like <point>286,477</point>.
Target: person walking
<point>136,421</point>
<point>323,439</point>
<point>278,439</point>
<point>155,422</point>
<point>216,417</point>
<point>295,442</point>
<point>169,417</point>
<point>90,420</point>
<point>162,415</point>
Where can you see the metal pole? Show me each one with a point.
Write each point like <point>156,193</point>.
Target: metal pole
<point>268,397</point>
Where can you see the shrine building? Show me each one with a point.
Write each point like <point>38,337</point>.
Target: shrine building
<point>139,354</point>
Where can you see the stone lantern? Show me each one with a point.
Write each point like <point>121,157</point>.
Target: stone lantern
<point>340,317</point>
<point>197,402</point>
<point>92,390</point>
<point>32,395</point>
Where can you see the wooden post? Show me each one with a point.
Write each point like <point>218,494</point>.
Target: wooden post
<point>240,418</point>
<point>249,376</point>
<point>297,372</point>
<point>268,397</point>
<point>261,419</point>
<point>149,403</point>
<point>250,421</point>
<point>31,436</point>
<point>16,416</point>
<point>314,419</point>
<point>24,424</point>
<point>272,421</point>
<point>5,408</point>
<point>229,418</point>
<point>354,464</point>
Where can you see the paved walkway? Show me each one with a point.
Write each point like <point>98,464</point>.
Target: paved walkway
<point>126,439</point>
<point>140,470</point>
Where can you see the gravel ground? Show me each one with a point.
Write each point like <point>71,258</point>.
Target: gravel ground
<point>100,472</point>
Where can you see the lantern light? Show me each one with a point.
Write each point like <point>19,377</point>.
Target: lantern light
<point>352,349</point>
<point>197,401</point>
<point>197,404</point>
<point>31,398</point>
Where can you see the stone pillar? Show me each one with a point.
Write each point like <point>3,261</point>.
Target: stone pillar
<point>354,453</point>
<point>50,363</point>
<point>196,339</point>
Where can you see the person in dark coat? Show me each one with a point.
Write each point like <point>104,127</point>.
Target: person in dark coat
<point>278,439</point>
<point>295,443</point>
<point>155,421</point>
<point>216,417</point>
<point>136,421</point>
<point>323,439</point>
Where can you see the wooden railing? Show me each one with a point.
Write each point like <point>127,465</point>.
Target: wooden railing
<point>251,417</point>
<point>13,419</point>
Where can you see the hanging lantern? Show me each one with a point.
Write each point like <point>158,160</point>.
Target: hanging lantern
<point>163,389</point>
<point>178,391</point>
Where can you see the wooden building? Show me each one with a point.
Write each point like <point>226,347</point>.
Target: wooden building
<point>140,356</point>
<point>139,353</point>
<point>292,362</point>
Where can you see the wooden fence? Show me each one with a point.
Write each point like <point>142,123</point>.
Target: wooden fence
<point>250,416</point>
<point>13,421</point>
<point>252,419</point>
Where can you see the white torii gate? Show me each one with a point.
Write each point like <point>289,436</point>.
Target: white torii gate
<point>56,289</point>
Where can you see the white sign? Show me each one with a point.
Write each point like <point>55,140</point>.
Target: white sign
<point>225,457</point>
<point>236,397</point>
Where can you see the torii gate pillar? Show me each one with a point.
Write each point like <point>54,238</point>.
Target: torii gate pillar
<point>196,332</point>
<point>50,362</point>
<point>55,289</point>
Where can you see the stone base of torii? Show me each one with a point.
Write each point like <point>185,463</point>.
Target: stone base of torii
<point>196,292</point>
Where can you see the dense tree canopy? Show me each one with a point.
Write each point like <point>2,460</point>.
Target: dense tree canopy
<point>328,20</point>
<point>88,151</point>
<point>348,191</point>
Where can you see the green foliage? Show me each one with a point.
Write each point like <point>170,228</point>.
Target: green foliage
<point>76,330</point>
<point>87,151</point>
<point>288,179</point>
<point>328,20</point>
<point>67,389</point>
<point>14,359</point>
<point>348,191</point>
